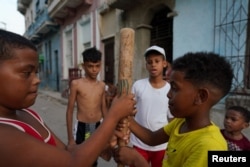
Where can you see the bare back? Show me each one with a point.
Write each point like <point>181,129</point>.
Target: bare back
<point>89,100</point>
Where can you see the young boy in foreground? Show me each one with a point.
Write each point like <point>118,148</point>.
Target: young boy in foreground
<point>198,81</point>
<point>25,139</point>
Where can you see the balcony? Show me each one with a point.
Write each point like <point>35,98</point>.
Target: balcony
<point>42,25</point>
<point>123,4</point>
<point>22,5</point>
<point>59,9</point>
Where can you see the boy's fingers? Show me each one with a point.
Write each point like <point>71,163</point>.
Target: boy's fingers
<point>119,134</point>
<point>134,112</point>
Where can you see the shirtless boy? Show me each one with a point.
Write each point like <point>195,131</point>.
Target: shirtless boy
<point>89,95</point>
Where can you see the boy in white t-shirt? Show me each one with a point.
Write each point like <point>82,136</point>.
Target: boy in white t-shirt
<point>151,104</point>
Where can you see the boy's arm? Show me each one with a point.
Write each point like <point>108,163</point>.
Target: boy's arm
<point>129,156</point>
<point>59,143</point>
<point>120,108</point>
<point>70,110</point>
<point>104,105</point>
<point>147,136</point>
<point>32,150</point>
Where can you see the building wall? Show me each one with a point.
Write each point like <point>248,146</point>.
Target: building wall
<point>50,73</point>
<point>137,18</point>
<point>55,77</point>
<point>193,30</point>
<point>78,32</point>
<point>84,35</point>
<point>91,25</point>
<point>193,26</point>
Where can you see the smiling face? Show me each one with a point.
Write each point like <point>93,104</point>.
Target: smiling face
<point>234,121</point>
<point>19,83</point>
<point>181,96</point>
<point>155,64</point>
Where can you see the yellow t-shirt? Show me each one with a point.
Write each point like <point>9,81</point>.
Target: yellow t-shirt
<point>191,149</point>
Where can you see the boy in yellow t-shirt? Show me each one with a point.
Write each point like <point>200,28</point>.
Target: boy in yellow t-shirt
<point>198,81</point>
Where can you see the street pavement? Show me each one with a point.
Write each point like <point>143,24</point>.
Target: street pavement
<point>52,108</point>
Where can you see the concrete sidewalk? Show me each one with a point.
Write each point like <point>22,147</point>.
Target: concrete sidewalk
<point>55,95</point>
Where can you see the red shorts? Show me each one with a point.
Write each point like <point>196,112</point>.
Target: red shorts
<point>153,157</point>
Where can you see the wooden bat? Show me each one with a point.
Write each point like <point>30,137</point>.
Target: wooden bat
<point>125,68</point>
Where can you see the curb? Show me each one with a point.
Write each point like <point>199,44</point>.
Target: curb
<point>54,95</point>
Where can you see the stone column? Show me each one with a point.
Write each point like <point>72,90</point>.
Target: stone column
<point>142,38</point>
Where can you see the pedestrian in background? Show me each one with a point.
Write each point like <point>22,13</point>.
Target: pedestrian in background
<point>152,104</point>
<point>236,119</point>
<point>88,94</point>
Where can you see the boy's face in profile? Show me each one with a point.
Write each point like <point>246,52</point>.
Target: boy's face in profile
<point>182,95</point>
<point>234,121</point>
<point>155,64</point>
<point>92,69</point>
<point>20,82</point>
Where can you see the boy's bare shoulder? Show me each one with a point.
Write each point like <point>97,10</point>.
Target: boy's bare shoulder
<point>76,81</point>
<point>79,83</point>
<point>82,84</point>
<point>102,83</point>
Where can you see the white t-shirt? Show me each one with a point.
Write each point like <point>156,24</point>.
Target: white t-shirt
<point>152,110</point>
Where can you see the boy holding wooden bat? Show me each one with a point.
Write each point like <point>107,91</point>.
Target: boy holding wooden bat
<point>198,81</point>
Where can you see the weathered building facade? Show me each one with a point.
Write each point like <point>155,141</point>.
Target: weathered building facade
<point>177,25</point>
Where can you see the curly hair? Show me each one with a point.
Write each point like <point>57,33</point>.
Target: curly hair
<point>91,55</point>
<point>10,41</point>
<point>202,68</point>
<point>243,111</point>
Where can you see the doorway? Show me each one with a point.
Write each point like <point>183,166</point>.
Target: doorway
<point>109,60</point>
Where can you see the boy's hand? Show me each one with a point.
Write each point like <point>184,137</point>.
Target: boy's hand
<point>129,156</point>
<point>125,155</point>
<point>119,135</point>
<point>71,147</point>
<point>124,123</point>
<point>123,106</point>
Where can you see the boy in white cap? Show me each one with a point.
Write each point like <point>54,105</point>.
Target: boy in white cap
<point>151,104</point>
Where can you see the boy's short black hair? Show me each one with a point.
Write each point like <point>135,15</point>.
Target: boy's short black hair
<point>92,55</point>
<point>206,68</point>
<point>10,41</point>
<point>244,112</point>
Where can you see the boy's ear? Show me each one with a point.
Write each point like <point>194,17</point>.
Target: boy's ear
<point>202,96</point>
<point>165,63</point>
<point>246,125</point>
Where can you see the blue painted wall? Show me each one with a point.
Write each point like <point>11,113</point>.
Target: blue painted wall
<point>50,73</point>
<point>56,63</point>
<point>193,26</point>
<point>213,25</point>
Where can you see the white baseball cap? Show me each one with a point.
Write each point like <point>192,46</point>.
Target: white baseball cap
<point>156,48</point>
